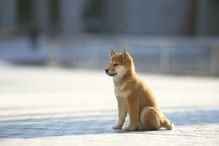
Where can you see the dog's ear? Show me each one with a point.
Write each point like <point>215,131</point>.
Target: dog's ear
<point>112,52</point>
<point>126,54</point>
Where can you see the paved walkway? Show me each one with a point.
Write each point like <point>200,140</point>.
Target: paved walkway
<point>62,107</point>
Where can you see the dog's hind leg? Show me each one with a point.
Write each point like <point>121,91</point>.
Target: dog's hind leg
<point>150,119</point>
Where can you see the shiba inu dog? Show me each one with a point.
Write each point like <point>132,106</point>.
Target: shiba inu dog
<point>133,96</point>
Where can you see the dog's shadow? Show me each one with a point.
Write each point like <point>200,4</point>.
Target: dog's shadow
<point>91,125</point>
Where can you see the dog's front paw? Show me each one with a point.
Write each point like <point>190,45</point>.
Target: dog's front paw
<point>117,127</point>
<point>126,129</point>
<point>129,128</point>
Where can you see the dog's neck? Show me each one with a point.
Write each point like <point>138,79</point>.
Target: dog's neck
<point>120,78</point>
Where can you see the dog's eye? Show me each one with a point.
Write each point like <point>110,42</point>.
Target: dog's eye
<point>116,64</point>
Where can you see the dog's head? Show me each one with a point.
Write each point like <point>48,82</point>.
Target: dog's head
<point>120,63</point>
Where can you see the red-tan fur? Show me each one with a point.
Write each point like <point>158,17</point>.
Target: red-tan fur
<point>133,96</point>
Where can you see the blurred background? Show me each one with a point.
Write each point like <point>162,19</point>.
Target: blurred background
<point>53,54</point>
<point>164,36</point>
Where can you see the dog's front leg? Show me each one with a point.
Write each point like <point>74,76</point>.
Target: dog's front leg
<point>133,109</point>
<point>122,113</point>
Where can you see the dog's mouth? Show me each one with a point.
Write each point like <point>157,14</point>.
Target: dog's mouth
<point>110,74</point>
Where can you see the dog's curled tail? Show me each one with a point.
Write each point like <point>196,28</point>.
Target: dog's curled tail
<point>168,125</point>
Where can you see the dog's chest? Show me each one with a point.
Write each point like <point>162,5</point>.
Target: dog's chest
<point>121,91</point>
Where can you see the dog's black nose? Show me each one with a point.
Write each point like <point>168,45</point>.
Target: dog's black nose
<point>106,70</point>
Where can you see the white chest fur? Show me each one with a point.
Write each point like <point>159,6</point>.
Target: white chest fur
<point>120,91</point>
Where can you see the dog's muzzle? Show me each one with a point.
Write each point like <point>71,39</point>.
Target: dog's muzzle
<point>110,74</point>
